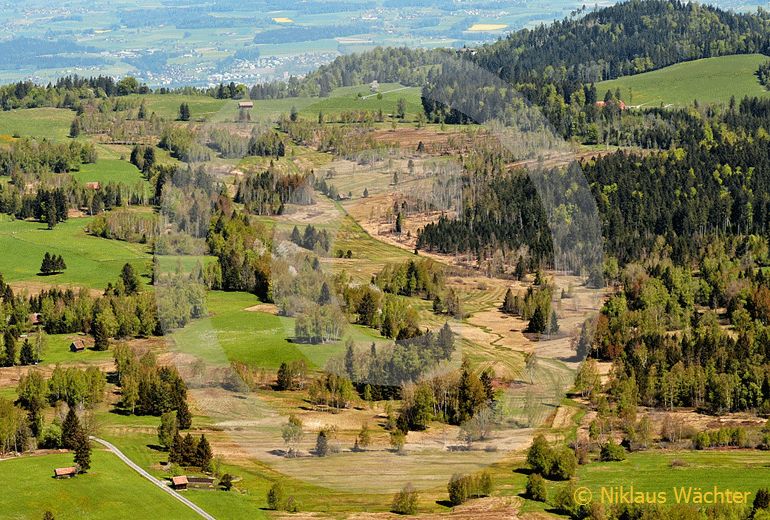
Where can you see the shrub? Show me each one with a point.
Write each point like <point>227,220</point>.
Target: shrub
<point>701,441</point>
<point>405,501</point>
<point>612,452</point>
<point>226,482</point>
<point>275,497</point>
<point>564,463</point>
<point>536,489</point>
<point>564,500</point>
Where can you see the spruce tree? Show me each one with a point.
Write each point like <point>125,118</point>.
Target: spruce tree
<point>70,429</point>
<point>183,416</point>
<point>46,267</point>
<point>9,340</point>
<point>203,454</point>
<point>175,451</point>
<point>82,451</point>
<point>27,355</point>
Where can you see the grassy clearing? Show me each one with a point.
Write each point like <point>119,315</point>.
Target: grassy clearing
<point>91,261</point>
<point>233,333</point>
<point>109,490</point>
<point>167,105</point>
<point>710,80</point>
<point>651,471</point>
<point>110,170</point>
<point>51,123</point>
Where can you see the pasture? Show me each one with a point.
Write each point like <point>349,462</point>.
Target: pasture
<point>51,123</point>
<point>237,331</point>
<point>91,262</point>
<point>105,171</point>
<point>710,80</point>
<point>110,490</point>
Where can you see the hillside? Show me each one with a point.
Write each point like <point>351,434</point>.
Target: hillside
<point>709,80</point>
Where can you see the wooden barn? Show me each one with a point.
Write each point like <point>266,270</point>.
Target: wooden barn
<point>179,482</point>
<point>78,345</point>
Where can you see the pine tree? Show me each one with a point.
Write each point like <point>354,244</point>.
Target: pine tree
<point>183,416</point>
<point>184,112</point>
<point>189,450</point>
<point>9,340</point>
<point>538,322</point>
<point>325,296</point>
<point>553,324</point>
<point>129,278</point>
<point>82,451</point>
<point>203,454</point>
<point>75,128</point>
<point>176,449</point>
<point>46,266</point>
<point>70,429</point>
<point>27,355</point>
<point>508,302</point>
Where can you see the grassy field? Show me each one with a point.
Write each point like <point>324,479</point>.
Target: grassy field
<point>110,170</point>
<point>260,339</point>
<point>109,490</point>
<point>711,80</point>
<point>201,107</point>
<point>52,123</point>
<point>91,261</point>
<point>651,471</point>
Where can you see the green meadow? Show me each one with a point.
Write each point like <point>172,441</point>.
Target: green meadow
<point>710,80</point>
<point>110,490</point>
<point>652,471</point>
<point>91,261</point>
<point>51,123</point>
<point>105,171</point>
<point>260,339</point>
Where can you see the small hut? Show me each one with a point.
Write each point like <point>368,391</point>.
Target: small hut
<point>245,104</point>
<point>78,345</point>
<point>179,482</point>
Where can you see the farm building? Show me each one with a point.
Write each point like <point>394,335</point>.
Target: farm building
<point>78,345</point>
<point>200,482</point>
<point>245,104</point>
<point>35,318</point>
<point>65,472</point>
<point>179,482</point>
<point>93,185</point>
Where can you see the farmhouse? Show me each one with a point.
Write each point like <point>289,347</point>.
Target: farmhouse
<point>245,104</point>
<point>179,482</point>
<point>78,345</point>
<point>65,472</point>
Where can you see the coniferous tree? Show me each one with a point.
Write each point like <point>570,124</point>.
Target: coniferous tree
<point>176,449</point>
<point>9,342</point>
<point>27,354</point>
<point>70,429</point>
<point>82,451</point>
<point>203,454</point>
<point>183,415</point>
